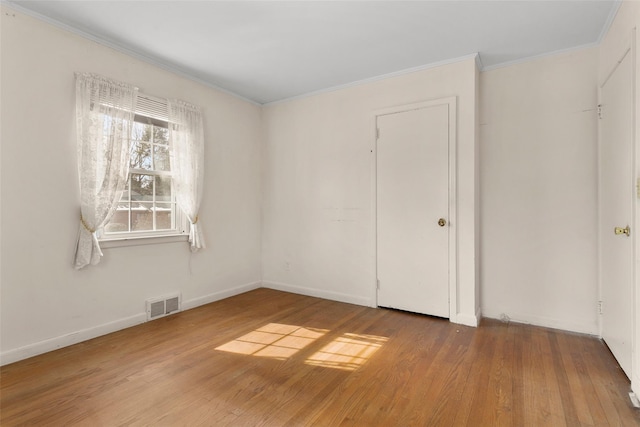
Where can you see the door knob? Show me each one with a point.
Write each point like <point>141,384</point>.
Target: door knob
<point>620,230</point>
<point>442,222</point>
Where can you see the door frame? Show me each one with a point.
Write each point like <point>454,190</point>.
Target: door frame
<point>629,49</point>
<point>635,135</point>
<point>451,103</point>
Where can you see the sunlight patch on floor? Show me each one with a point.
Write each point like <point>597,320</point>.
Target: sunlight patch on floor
<point>347,352</point>
<point>274,340</point>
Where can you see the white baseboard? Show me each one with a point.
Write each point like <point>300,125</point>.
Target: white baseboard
<point>635,381</point>
<point>51,344</point>
<point>55,343</point>
<point>634,400</point>
<point>545,322</point>
<point>468,319</point>
<point>319,293</point>
<point>460,318</point>
<point>217,296</point>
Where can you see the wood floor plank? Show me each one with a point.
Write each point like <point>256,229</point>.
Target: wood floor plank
<point>576,390</point>
<point>496,405</point>
<point>390,394</point>
<point>269,358</point>
<point>601,382</point>
<point>438,394</point>
<point>557,412</point>
<point>596,410</point>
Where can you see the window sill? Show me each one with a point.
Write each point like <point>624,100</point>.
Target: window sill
<point>146,240</point>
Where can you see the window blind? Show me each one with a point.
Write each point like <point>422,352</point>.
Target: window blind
<point>150,106</point>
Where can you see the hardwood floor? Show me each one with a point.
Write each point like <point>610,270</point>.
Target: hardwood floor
<point>268,358</point>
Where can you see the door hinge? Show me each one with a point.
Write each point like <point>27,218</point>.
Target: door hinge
<point>377,133</point>
<point>600,111</point>
<point>378,284</point>
<point>600,308</point>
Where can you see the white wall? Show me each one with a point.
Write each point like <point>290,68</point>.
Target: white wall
<point>318,185</point>
<point>539,188</point>
<point>45,303</point>
<point>532,174</point>
<point>618,39</point>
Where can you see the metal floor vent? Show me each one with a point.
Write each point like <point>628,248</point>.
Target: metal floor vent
<point>163,306</point>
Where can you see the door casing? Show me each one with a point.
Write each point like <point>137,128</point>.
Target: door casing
<point>451,103</point>
<point>629,55</point>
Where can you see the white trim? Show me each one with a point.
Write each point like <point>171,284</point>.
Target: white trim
<point>374,207</point>
<point>614,68</point>
<point>139,240</point>
<point>479,63</point>
<point>601,36</point>
<point>545,322</point>
<point>635,140</point>
<point>165,65</point>
<point>71,338</point>
<point>607,24</point>
<point>469,320</point>
<point>454,316</point>
<point>217,296</point>
<point>600,231</point>
<point>473,56</point>
<point>451,103</point>
<point>540,56</point>
<point>319,293</point>
<point>168,66</point>
<point>599,215</point>
<point>415,106</point>
<point>628,49</point>
<point>634,400</point>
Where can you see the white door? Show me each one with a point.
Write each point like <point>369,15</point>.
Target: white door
<point>616,210</point>
<point>412,197</point>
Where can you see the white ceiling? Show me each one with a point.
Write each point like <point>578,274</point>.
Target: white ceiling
<point>267,51</point>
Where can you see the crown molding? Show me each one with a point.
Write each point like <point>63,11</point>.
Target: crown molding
<point>540,56</point>
<point>607,25</point>
<point>473,56</point>
<point>165,65</point>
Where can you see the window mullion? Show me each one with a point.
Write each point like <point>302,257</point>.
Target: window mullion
<point>167,216</point>
<point>149,172</point>
<point>152,148</point>
<point>174,207</point>
<point>129,206</point>
<point>154,208</point>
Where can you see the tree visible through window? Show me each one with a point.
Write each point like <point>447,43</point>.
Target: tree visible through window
<point>139,158</point>
<point>148,203</point>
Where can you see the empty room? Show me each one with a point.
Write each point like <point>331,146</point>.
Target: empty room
<point>270,213</point>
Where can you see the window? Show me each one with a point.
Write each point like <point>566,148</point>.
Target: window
<point>124,167</point>
<point>148,205</point>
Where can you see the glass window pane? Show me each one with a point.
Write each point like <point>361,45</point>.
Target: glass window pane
<point>160,135</point>
<point>164,216</point>
<point>125,196</point>
<point>161,157</point>
<point>141,217</point>
<point>140,155</point>
<point>119,222</point>
<point>141,132</point>
<point>147,202</point>
<point>163,188</point>
<point>141,187</point>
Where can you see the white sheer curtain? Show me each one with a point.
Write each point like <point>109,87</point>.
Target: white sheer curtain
<point>186,141</point>
<point>104,116</point>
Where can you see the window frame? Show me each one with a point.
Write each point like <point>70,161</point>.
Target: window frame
<point>149,111</point>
